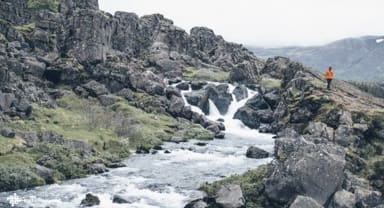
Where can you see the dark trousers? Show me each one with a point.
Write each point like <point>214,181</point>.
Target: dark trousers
<point>329,84</point>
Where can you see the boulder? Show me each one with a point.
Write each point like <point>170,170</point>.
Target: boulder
<point>176,106</point>
<point>51,137</point>
<point>95,89</point>
<point>343,199</point>
<point>317,129</point>
<point>107,100</point>
<point>240,92</point>
<point>148,82</point>
<point>116,165</point>
<point>257,153</point>
<point>197,204</point>
<point>177,139</point>
<point>272,98</point>
<point>198,85</point>
<point>117,199</point>
<point>6,101</point>
<point>126,93</point>
<point>194,98</point>
<point>305,202</point>
<point>45,173</point>
<point>97,168</point>
<point>30,138</point>
<point>90,201</point>
<point>219,96</point>
<point>170,91</point>
<point>345,136</point>
<point>230,196</point>
<point>213,128</point>
<point>305,168</point>
<point>183,86</point>
<point>248,116</point>
<point>7,132</point>
<point>220,135</point>
<point>257,103</point>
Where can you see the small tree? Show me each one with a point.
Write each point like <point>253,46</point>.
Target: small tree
<point>51,5</point>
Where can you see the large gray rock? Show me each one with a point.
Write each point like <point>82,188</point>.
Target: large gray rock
<point>304,168</point>
<point>230,196</point>
<point>240,92</point>
<point>255,152</point>
<point>91,32</point>
<point>197,204</point>
<point>148,82</point>
<point>95,89</point>
<point>305,202</point>
<point>343,199</point>
<point>7,132</point>
<point>345,136</point>
<point>6,100</point>
<point>90,201</point>
<point>176,106</point>
<point>45,173</point>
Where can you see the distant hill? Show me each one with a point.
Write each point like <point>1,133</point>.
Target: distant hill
<point>352,58</point>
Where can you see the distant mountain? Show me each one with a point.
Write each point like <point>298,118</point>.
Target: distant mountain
<point>352,58</point>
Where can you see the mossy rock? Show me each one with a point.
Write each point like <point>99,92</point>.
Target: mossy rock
<point>250,182</point>
<point>16,172</point>
<point>7,145</point>
<point>51,5</point>
<point>270,83</point>
<point>205,74</point>
<point>26,29</point>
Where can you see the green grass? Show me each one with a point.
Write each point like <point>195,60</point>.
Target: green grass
<point>250,182</point>
<point>322,84</point>
<point>8,144</point>
<point>205,74</point>
<point>3,39</point>
<point>16,172</point>
<point>26,29</point>
<point>270,83</point>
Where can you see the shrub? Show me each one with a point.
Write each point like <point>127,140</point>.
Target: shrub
<point>51,5</point>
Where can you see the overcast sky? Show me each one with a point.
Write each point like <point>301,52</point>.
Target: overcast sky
<point>268,23</point>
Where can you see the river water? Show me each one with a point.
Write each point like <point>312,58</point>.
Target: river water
<point>162,180</point>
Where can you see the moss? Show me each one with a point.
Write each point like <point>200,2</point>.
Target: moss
<point>51,5</point>
<point>68,161</point>
<point>319,83</point>
<point>270,83</point>
<point>26,29</point>
<point>3,39</point>
<point>251,184</point>
<point>205,74</point>
<point>16,172</point>
<point>7,145</point>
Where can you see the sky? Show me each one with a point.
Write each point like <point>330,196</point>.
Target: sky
<point>267,23</point>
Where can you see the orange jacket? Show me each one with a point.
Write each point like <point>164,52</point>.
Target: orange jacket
<point>328,74</point>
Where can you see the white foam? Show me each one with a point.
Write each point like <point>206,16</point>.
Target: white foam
<point>203,159</point>
<point>379,40</point>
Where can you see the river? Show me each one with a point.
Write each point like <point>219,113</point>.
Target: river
<point>162,180</point>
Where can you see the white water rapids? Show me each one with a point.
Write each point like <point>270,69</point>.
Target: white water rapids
<point>161,180</point>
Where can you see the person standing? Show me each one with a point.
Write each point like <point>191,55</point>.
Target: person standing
<point>329,77</point>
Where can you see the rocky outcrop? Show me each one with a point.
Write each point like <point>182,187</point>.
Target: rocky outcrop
<point>316,171</point>
<point>255,112</point>
<point>305,202</point>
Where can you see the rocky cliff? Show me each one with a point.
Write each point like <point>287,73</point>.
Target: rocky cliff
<point>81,87</point>
<point>328,148</point>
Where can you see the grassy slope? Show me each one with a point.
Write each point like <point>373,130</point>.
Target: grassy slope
<point>112,131</point>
